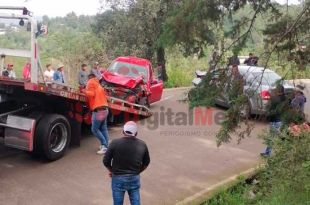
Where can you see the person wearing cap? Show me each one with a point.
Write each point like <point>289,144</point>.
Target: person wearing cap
<point>126,158</point>
<point>96,71</point>
<point>58,74</point>
<point>98,104</point>
<point>9,72</point>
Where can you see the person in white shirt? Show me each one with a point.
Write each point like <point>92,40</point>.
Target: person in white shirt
<point>49,73</point>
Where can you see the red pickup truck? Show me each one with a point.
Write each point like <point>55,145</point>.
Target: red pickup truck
<point>132,79</point>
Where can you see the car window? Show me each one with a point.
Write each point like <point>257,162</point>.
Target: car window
<point>268,78</point>
<point>127,69</point>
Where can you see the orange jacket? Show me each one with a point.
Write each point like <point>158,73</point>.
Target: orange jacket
<point>96,94</point>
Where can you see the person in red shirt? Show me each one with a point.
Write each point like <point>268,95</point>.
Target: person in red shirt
<point>26,70</point>
<point>98,104</point>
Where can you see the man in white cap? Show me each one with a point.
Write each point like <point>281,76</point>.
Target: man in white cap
<point>126,158</point>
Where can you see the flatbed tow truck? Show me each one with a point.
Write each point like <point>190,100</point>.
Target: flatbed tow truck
<point>44,118</point>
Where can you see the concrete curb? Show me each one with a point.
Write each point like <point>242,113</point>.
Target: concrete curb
<point>205,194</point>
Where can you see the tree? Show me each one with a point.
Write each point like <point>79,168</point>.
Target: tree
<point>196,24</point>
<point>135,27</point>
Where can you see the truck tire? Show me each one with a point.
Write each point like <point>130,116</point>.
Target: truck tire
<point>52,136</point>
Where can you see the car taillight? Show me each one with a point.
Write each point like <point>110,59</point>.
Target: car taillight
<point>265,95</point>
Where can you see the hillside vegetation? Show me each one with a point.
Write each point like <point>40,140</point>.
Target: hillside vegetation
<point>74,40</point>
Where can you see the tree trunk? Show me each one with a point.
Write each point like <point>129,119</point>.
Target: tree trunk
<point>161,61</point>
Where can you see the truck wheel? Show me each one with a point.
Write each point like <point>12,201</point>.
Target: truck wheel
<point>52,136</point>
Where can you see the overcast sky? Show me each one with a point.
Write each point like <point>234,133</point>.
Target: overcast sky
<point>54,8</point>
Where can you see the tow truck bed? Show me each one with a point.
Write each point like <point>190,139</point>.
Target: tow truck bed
<point>73,94</point>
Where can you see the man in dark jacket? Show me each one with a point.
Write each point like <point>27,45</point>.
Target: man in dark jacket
<point>126,158</point>
<point>278,106</point>
<point>252,60</point>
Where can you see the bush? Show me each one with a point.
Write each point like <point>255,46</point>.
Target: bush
<point>284,180</point>
<point>181,70</point>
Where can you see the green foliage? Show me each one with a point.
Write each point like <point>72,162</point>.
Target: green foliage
<point>289,35</point>
<point>133,28</point>
<point>284,180</point>
<point>233,196</point>
<point>69,41</point>
<point>181,70</point>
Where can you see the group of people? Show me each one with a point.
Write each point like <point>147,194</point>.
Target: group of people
<point>83,74</point>
<point>252,60</point>
<point>10,73</point>
<point>126,157</point>
<point>284,111</point>
<point>51,75</point>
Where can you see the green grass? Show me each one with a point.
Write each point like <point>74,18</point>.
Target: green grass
<point>285,180</point>
<point>233,196</point>
<point>181,70</point>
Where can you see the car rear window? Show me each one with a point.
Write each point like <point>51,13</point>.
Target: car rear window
<point>268,78</point>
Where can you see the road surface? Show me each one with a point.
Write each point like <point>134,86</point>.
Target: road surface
<point>184,160</point>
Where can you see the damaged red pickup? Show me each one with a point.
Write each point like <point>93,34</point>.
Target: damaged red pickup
<point>132,79</point>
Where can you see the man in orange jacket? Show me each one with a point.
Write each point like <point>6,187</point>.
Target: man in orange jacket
<point>99,106</point>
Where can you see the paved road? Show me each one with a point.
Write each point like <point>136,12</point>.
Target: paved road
<point>184,160</point>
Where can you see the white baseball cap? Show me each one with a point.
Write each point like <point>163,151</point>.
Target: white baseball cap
<point>130,129</point>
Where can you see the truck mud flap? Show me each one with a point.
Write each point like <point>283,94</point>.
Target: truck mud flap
<point>19,132</point>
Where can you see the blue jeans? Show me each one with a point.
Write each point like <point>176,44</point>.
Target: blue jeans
<point>123,183</point>
<point>274,128</point>
<point>100,130</point>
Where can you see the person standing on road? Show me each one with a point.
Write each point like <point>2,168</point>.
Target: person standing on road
<point>126,158</point>
<point>83,76</point>
<point>278,106</point>
<point>96,71</point>
<point>98,104</point>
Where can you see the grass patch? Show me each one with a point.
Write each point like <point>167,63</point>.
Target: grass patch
<point>285,180</point>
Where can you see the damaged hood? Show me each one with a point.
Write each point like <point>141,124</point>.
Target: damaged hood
<point>125,81</point>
